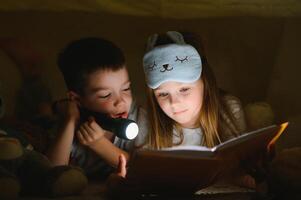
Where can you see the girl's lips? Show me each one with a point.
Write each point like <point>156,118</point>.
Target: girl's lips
<point>179,112</point>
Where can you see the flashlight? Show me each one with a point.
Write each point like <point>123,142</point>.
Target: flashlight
<point>121,127</point>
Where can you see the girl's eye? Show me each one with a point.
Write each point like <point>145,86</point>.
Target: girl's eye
<point>163,94</point>
<point>184,89</point>
<point>104,96</point>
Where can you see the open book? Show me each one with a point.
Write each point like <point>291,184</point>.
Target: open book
<point>190,168</point>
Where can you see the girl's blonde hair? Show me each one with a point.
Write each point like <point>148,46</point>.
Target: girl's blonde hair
<point>161,126</point>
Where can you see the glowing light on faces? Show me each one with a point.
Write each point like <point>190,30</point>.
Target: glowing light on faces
<point>181,102</point>
<point>108,92</point>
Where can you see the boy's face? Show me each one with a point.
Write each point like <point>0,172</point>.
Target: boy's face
<point>108,92</point>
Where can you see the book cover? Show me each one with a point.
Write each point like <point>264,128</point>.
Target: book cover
<point>190,168</point>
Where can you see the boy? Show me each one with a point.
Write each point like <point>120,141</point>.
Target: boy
<point>97,79</point>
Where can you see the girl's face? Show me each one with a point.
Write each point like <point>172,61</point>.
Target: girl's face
<point>108,92</point>
<point>182,102</point>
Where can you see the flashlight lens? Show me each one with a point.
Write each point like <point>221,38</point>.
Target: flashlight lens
<point>131,131</point>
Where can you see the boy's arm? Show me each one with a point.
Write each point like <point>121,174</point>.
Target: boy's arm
<point>59,151</point>
<point>108,151</point>
<point>94,137</point>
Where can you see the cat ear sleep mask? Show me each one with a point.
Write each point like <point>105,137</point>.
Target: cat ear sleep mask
<point>178,62</point>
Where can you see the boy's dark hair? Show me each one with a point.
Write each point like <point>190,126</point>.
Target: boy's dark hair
<point>85,56</point>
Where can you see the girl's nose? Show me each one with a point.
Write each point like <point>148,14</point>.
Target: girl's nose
<point>174,99</point>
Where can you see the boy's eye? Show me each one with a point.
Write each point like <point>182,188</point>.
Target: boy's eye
<point>127,89</point>
<point>184,89</point>
<point>104,96</point>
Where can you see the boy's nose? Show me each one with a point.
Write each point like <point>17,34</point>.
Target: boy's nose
<point>118,101</point>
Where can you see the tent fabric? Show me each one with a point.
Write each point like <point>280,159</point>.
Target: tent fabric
<point>179,9</point>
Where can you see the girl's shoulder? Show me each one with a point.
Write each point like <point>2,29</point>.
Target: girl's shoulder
<point>233,115</point>
<point>230,99</point>
<point>232,104</point>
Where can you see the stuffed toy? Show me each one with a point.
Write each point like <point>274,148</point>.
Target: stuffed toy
<point>24,171</point>
<point>259,115</point>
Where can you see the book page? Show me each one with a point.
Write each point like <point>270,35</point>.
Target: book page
<point>189,148</point>
<point>189,151</point>
<point>181,151</point>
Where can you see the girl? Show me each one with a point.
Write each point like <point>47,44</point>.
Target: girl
<point>184,98</point>
<point>185,105</point>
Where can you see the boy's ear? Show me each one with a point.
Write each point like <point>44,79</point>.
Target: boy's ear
<point>73,96</point>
